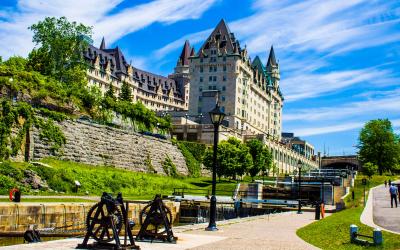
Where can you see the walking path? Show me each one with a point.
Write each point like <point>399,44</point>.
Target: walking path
<point>378,212</point>
<point>261,232</point>
<point>278,232</point>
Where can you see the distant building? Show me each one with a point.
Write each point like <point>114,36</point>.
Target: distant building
<point>108,66</point>
<point>300,146</point>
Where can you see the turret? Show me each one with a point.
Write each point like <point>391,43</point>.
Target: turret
<point>103,44</point>
<point>273,68</point>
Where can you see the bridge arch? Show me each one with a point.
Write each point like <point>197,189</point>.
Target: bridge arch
<point>341,162</point>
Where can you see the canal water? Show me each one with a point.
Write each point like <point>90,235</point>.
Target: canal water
<point>7,241</point>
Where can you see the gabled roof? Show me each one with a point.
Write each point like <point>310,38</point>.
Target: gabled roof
<point>186,51</point>
<point>271,58</point>
<point>258,65</point>
<point>119,60</point>
<point>223,38</point>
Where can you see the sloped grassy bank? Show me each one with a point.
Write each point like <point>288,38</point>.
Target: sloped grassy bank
<point>59,178</point>
<point>333,231</point>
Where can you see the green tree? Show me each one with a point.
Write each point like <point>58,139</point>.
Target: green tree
<point>59,52</point>
<point>126,92</point>
<point>233,158</point>
<point>110,92</point>
<point>261,156</point>
<point>369,169</point>
<point>243,156</point>
<point>379,145</point>
<point>16,63</point>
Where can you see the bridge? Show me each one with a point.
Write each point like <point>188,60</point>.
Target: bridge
<point>341,162</point>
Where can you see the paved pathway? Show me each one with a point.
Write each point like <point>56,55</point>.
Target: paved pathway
<point>261,232</point>
<point>383,214</point>
<point>278,232</point>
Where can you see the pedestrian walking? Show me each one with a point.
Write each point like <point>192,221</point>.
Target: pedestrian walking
<point>385,183</point>
<point>394,192</point>
<point>390,183</point>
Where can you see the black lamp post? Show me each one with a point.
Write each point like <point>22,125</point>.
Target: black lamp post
<point>217,116</point>
<point>299,165</point>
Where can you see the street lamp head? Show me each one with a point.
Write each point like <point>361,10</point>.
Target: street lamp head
<point>216,115</point>
<point>299,164</point>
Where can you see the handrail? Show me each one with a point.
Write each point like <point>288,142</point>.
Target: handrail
<point>207,192</point>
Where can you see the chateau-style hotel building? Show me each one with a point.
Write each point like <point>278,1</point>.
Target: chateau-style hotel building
<point>219,71</point>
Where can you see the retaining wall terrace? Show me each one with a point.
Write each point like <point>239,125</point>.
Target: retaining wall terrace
<point>103,145</point>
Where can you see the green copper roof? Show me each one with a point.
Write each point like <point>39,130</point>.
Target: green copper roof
<point>258,64</point>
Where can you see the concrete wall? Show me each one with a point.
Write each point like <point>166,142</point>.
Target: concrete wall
<point>102,145</point>
<point>18,217</point>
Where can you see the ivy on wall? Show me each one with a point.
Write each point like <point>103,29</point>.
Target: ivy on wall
<point>16,120</point>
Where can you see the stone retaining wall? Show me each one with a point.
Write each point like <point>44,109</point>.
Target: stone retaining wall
<point>103,145</point>
<point>17,217</point>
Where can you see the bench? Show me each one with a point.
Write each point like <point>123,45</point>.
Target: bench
<point>376,237</point>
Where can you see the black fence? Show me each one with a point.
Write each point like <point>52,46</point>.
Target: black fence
<point>225,211</point>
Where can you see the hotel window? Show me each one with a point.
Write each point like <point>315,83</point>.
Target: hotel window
<point>210,78</point>
<point>200,89</point>
<point>201,79</point>
<point>211,69</point>
<point>223,88</point>
<point>224,78</point>
<point>201,69</point>
<point>215,68</point>
<point>224,67</point>
<point>223,109</point>
<point>223,98</point>
<point>224,58</point>
<point>214,78</point>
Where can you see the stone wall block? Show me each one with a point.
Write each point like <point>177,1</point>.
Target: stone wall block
<point>101,145</point>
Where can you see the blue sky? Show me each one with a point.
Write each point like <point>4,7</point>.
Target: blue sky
<point>339,59</point>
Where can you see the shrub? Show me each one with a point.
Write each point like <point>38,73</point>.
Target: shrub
<point>9,170</point>
<point>149,164</point>
<point>192,164</point>
<point>6,183</point>
<point>169,167</point>
<point>196,149</point>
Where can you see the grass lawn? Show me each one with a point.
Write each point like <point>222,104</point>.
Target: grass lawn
<point>97,179</point>
<point>333,231</point>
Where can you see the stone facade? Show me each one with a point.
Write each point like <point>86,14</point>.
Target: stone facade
<point>248,91</point>
<point>102,145</point>
<point>19,216</point>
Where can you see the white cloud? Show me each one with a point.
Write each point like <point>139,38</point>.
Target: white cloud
<point>307,85</point>
<point>193,38</point>
<point>327,129</point>
<point>140,16</point>
<point>389,101</point>
<point>15,38</point>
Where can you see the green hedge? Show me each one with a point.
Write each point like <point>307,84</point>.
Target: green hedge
<point>196,149</point>
<point>192,164</point>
